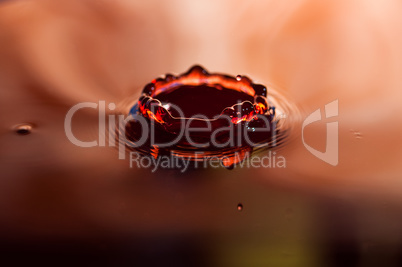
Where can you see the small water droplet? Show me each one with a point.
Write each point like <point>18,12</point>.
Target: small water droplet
<point>149,88</point>
<point>260,90</point>
<point>23,129</point>
<point>197,69</point>
<point>169,77</point>
<point>356,134</point>
<point>238,77</point>
<point>239,207</point>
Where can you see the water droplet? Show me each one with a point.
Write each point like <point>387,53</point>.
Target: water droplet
<point>197,70</point>
<point>169,77</point>
<point>239,207</point>
<point>23,129</point>
<point>260,89</point>
<point>261,104</point>
<point>356,134</point>
<point>149,89</point>
<point>238,77</point>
